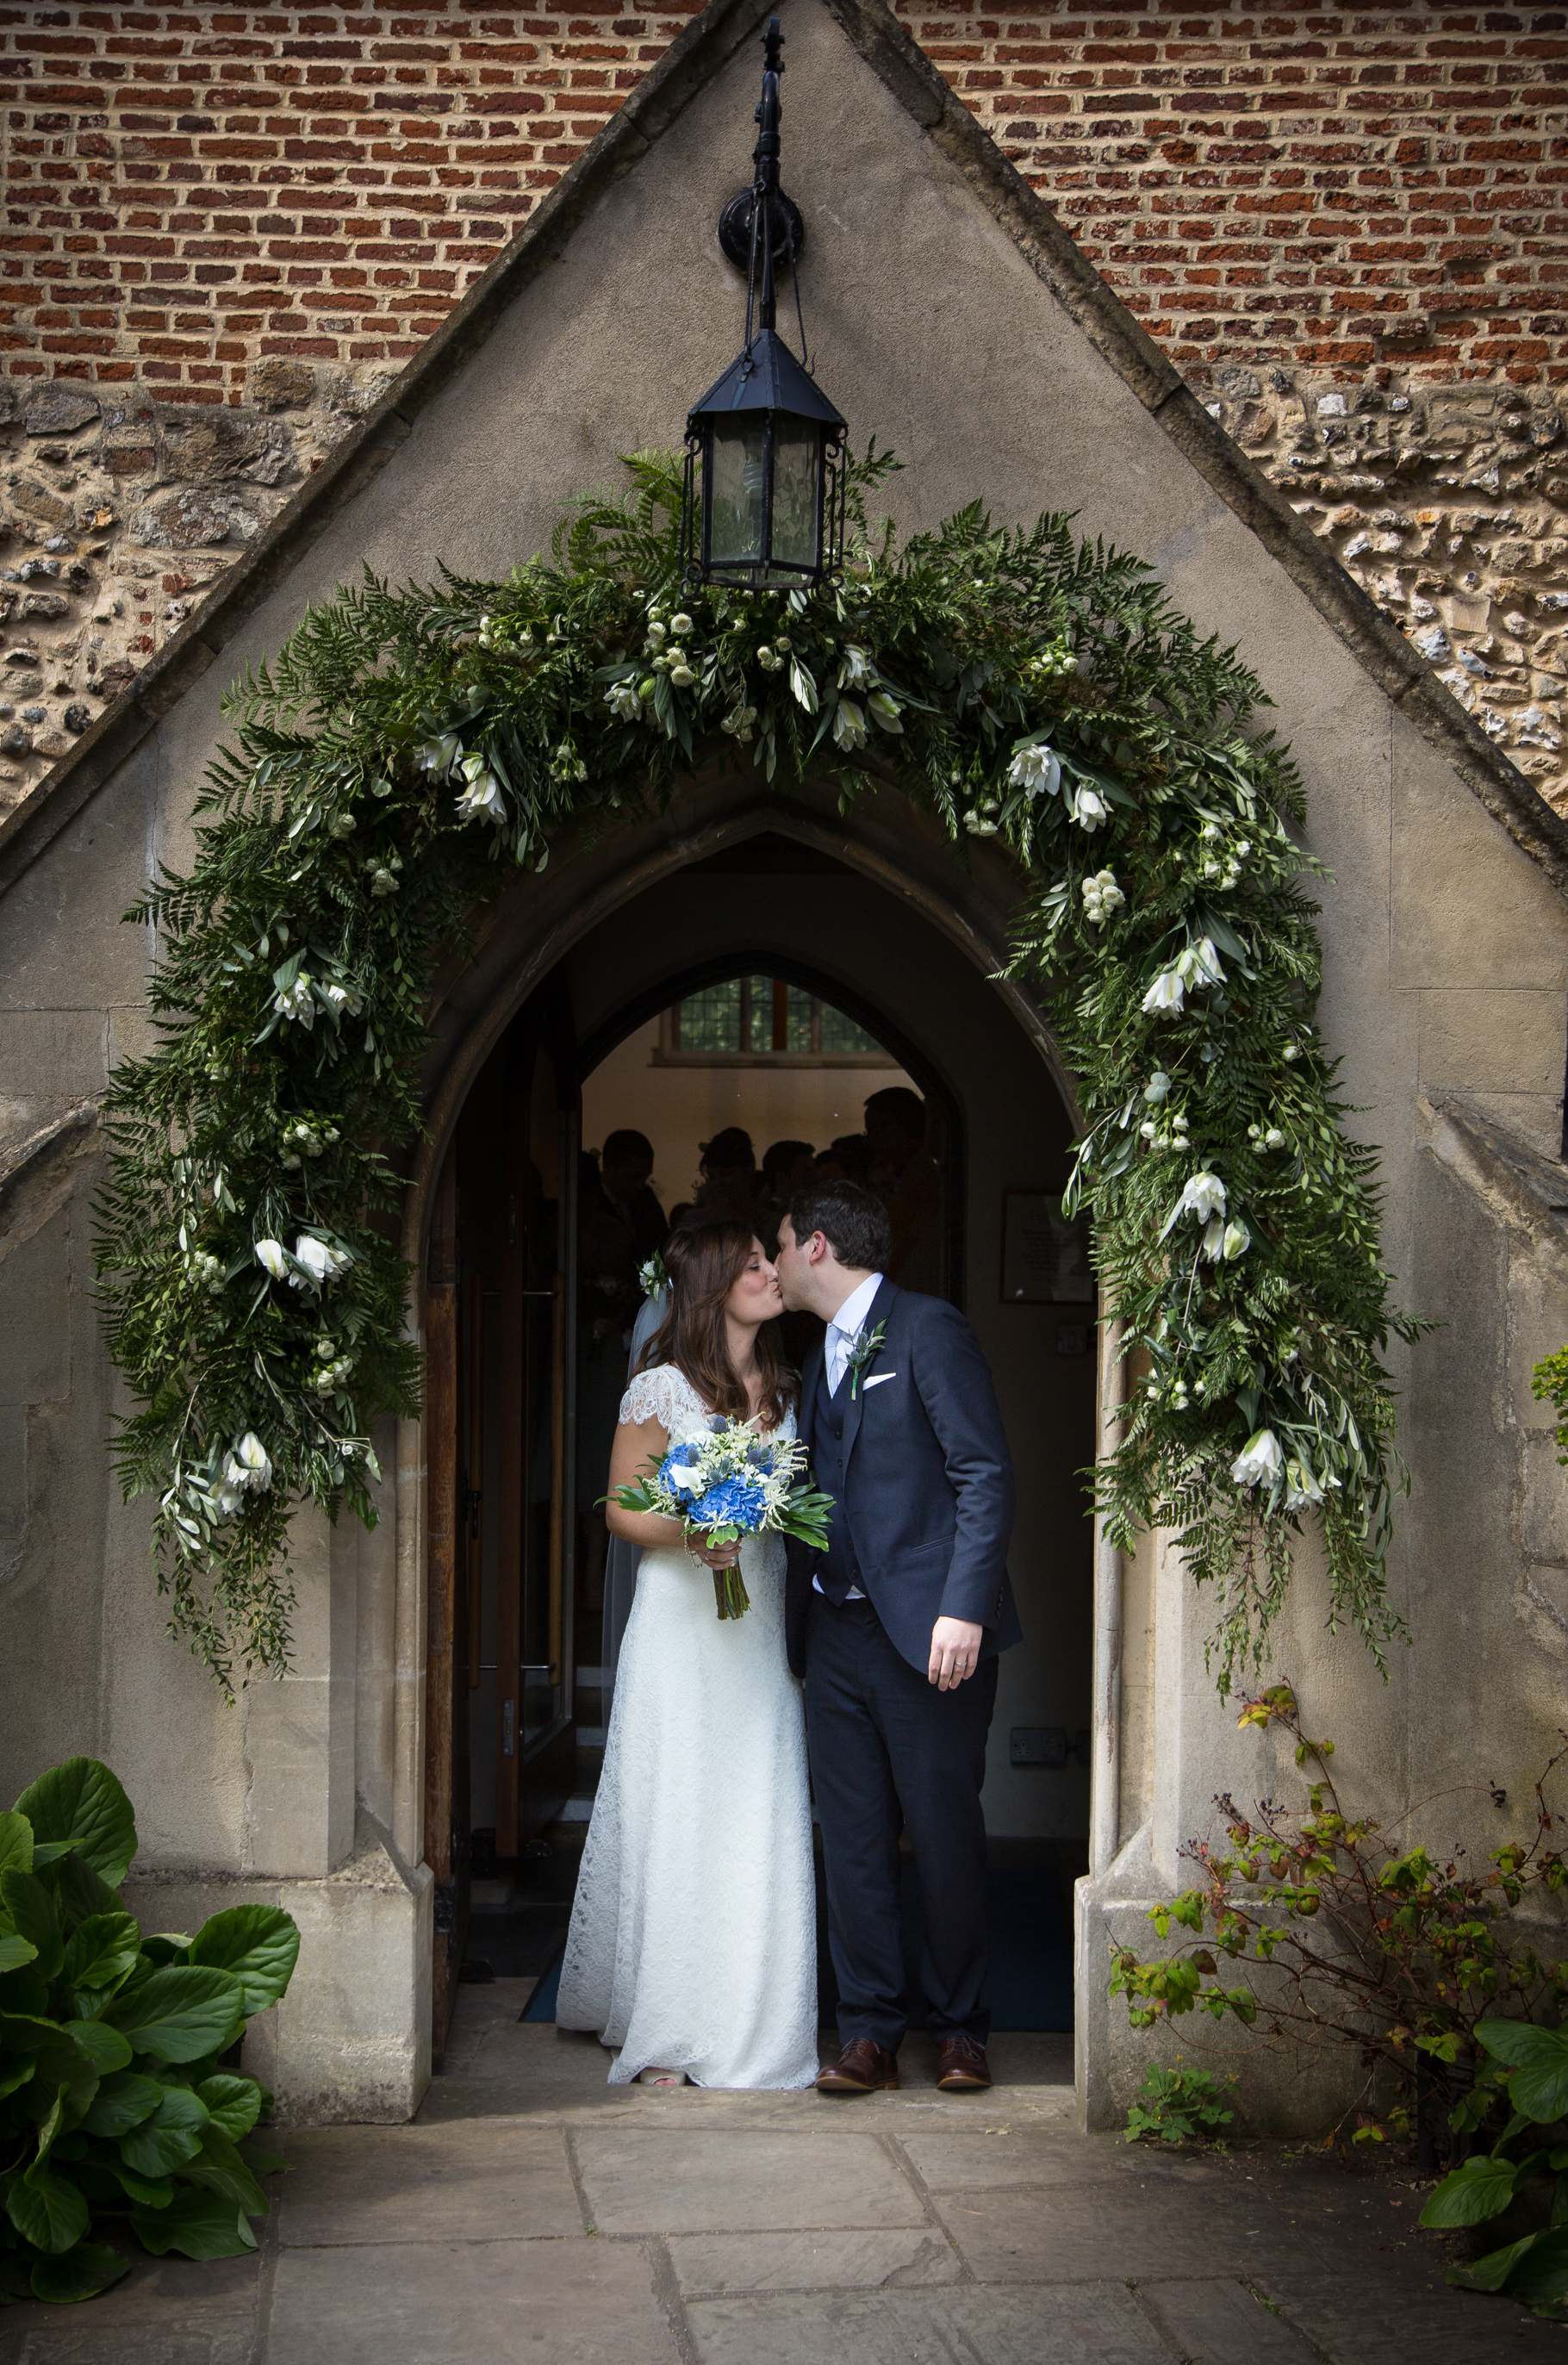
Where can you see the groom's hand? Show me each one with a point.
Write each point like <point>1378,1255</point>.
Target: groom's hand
<point>954,1652</point>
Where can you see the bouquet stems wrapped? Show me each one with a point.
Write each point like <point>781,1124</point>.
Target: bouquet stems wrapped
<point>723,1483</point>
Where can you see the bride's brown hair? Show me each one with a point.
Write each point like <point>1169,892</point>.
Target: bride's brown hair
<point>704,1261</point>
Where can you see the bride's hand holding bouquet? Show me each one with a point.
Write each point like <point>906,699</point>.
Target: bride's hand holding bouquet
<point>723,1482</point>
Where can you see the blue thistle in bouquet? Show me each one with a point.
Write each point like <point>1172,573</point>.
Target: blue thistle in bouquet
<point>723,1482</point>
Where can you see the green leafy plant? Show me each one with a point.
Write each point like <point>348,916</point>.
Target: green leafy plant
<point>1524,2071</point>
<point>408,752</point>
<point>1317,1925</point>
<point>115,2110</point>
<point>1549,1384</point>
<point>1178,2105</point>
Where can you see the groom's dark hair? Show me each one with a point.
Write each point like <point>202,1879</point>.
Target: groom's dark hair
<point>852,1220</point>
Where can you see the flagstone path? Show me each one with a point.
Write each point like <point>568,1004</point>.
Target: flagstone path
<point>533,2213</point>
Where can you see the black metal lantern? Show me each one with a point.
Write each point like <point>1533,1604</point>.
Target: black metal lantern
<point>770,443</point>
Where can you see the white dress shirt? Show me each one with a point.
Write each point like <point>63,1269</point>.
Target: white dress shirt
<point>842,1333</point>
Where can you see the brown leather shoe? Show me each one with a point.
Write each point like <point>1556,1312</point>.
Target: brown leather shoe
<point>961,2065</point>
<point>862,2068</point>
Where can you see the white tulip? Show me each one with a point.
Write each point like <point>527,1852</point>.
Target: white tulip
<point>1260,1462</point>
<point>318,1262</point>
<point>848,725</point>
<point>482,799</point>
<point>1237,1239</point>
<point>622,699</point>
<point>1089,810</point>
<point>1167,993</point>
<point>1204,1196</point>
<point>1037,770</point>
<point>1211,1247</point>
<point>272,1255</point>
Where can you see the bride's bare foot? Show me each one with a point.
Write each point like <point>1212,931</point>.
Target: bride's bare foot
<point>661,2077</point>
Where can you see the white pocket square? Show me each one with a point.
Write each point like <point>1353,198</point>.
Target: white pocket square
<point>877,1381</point>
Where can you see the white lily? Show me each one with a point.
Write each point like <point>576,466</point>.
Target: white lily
<point>1237,1242</point>
<point>273,1257</point>
<point>1037,771</point>
<point>341,999</point>
<point>295,1002</point>
<point>848,725</point>
<point>853,668</point>
<point>1260,1462</point>
<point>1211,1247</point>
<point>318,1262</point>
<point>1090,810</point>
<point>482,799</point>
<point>249,1468</point>
<point>1301,1486</point>
<point>622,699</point>
<point>1199,964</point>
<point>439,755</point>
<point>1203,1195</point>
<point>1167,993</point>
<point>885,710</point>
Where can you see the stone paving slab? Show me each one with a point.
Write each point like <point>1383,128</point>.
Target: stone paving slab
<point>676,2179</point>
<point>716,2265</point>
<point>1219,2321</point>
<point>495,2179</point>
<point>568,2303</point>
<point>1116,2227</point>
<point>1095,2325</point>
<point>166,2312</point>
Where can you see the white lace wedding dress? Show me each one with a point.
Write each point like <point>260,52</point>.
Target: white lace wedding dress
<point>693,1938</point>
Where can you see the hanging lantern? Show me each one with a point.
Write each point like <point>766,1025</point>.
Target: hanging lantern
<point>769,443</point>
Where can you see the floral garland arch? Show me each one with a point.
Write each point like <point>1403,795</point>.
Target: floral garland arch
<point>409,750</point>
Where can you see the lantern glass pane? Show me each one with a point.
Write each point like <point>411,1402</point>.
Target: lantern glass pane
<point>797,477</point>
<point>736,482</point>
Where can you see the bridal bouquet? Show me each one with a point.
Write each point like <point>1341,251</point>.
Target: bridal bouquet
<point>723,1482</point>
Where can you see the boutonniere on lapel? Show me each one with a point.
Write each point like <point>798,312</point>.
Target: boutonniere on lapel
<point>863,1354</point>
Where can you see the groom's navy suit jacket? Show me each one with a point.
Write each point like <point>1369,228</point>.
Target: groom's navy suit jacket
<point>926,1485</point>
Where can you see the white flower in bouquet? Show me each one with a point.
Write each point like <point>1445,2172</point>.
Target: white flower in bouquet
<point>1198,964</point>
<point>885,712</point>
<point>1090,810</point>
<point>1274,1139</point>
<point>740,721</point>
<point>622,699</point>
<point>723,1482</point>
<point>853,668</point>
<point>1211,1247</point>
<point>248,1468</point>
<point>680,626</point>
<point>273,1257</point>
<point>682,676</point>
<point>658,631</point>
<point>382,880</point>
<point>1036,771</point>
<point>848,725</point>
<point>344,825</point>
<point>1260,1462</point>
<point>318,1262</point>
<point>342,999</point>
<point>1237,1240</point>
<point>1203,1195</point>
<point>297,1002</point>
<point>768,659</point>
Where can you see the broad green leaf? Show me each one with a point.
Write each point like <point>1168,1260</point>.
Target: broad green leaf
<point>153,2191</point>
<point>1490,2273</point>
<point>31,1910</point>
<point>1541,2274</point>
<point>59,2066</point>
<point>16,1844</point>
<point>15,1950</point>
<point>46,2211</point>
<point>201,2224</point>
<point>181,2012</point>
<point>16,2071</point>
<point>170,2136</point>
<point>103,2046</point>
<point>83,2274</point>
<point>101,1950</point>
<point>121,2102</point>
<point>235,2103</point>
<point>22,1991</point>
<point>82,1802</point>
<point>167,1947</point>
<point>219,2166</point>
<point>1539,2057</point>
<point>81,1892</point>
<point>258,1943</point>
<point>1482,2188</point>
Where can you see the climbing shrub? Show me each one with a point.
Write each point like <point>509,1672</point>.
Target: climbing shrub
<point>409,750</point>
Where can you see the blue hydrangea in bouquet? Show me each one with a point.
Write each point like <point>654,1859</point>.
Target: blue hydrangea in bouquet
<point>723,1482</point>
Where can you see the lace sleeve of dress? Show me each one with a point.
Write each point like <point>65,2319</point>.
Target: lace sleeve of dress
<point>661,1395</point>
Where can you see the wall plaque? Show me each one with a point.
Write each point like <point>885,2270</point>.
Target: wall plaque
<point>1044,1254</point>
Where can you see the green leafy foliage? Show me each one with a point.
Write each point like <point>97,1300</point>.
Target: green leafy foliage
<point>113,2109</point>
<point>1319,1926</point>
<point>1523,2070</point>
<point>1178,2105</point>
<point>408,752</point>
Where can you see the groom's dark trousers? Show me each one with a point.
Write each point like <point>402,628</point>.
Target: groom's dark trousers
<point>918,1467</point>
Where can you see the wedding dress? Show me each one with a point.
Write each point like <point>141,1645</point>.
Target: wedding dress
<point>693,1936</point>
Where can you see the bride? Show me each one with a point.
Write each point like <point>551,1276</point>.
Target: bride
<point>692,1948</point>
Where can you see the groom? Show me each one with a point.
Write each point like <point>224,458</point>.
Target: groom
<point>896,1628</point>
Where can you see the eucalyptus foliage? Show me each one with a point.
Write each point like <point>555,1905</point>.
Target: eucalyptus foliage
<point>409,750</point>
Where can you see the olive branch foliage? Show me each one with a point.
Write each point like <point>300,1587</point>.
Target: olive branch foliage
<point>409,750</point>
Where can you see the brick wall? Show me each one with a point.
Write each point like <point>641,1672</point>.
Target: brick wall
<point>230,227</point>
